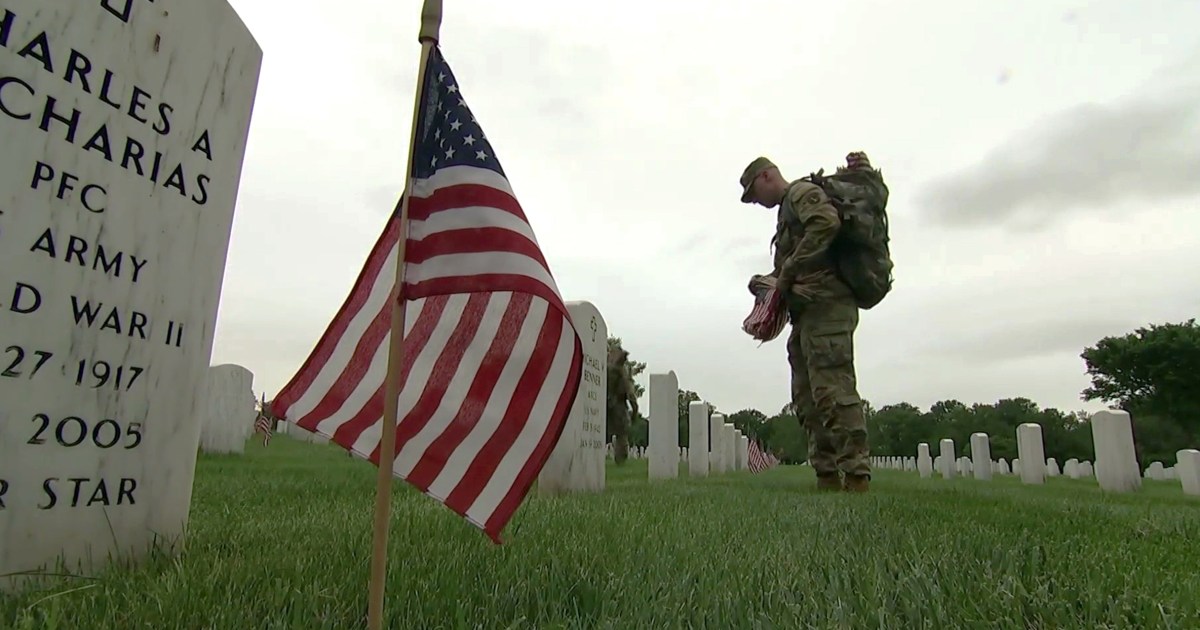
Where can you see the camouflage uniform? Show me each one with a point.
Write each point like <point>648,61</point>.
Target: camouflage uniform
<point>824,316</point>
<point>620,391</point>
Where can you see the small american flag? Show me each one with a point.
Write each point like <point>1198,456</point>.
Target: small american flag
<point>758,460</point>
<point>766,319</point>
<point>263,424</point>
<point>491,361</point>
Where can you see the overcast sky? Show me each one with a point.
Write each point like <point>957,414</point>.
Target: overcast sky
<point>1043,159</point>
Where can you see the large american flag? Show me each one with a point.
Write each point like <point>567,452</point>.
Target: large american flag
<point>491,360</point>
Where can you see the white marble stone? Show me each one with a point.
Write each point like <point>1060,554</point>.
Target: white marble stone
<point>737,447</point>
<point>1156,472</point>
<point>1016,467</point>
<point>716,445</point>
<point>1171,474</point>
<point>110,278</point>
<point>947,458</point>
<point>227,411</point>
<point>981,456</point>
<point>729,445</point>
<point>664,426</point>
<point>1071,468</point>
<point>743,453</point>
<point>1116,460</point>
<point>1187,468</point>
<point>1086,469</point>
<point>577,462</point>
<point>1002,467</point>
<point>1052,467</point>
<point>924,463</point>
<point>698,432</point>
<point>1032,452</point>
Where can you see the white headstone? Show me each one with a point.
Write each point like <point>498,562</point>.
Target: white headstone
<point>1052,467</point>
<point>1016,468</point>
<point>227,410</point>
<point>1071,468</point>
<point>1086,469</point>
<point>664,426</point>
<point>1032,452</point>
<point>123,129</point>
<point>744,453</point>
<point>924,463</point>
<point>1116,460</point>
<point>947,458</point>
<point>698,429</point>
<point>1171,473</point>
<point>729,444</point>
<point>577,462</point>
<point>297,432</point>
<point>1002,467</point>
<point>716,446</point>
<point>981,456</point>
<point>1156,471</point>
<point>1187,467</point>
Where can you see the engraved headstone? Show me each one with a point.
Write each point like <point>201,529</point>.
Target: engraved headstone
<point>1052,467</point>
<point>227,409</point>
<point>664,426</point>
<point>698,430</point>
<point>1002,467</point>
<point>1116,461</point>
<point>577,462</point>
<point>123,125</point>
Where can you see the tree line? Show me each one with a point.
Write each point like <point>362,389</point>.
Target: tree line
<point>1153,373</point>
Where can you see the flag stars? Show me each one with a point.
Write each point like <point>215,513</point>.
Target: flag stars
<point>480,155</point>
<point>469,140</point>
<point>450,153</point>
<point>452,88</point>
<point>455,125</point>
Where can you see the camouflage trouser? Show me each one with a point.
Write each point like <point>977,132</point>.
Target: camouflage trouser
<point>824,387</point>
<point>619,420</point>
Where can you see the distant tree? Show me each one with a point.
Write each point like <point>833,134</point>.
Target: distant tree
<point>1152,371</point>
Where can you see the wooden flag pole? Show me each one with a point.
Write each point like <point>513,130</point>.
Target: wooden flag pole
<point>431,22</point>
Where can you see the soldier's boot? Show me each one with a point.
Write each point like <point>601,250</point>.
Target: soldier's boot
<point>857,483</point>
<point>829,482</point>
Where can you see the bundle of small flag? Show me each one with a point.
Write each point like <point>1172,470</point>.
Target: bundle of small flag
<point>767,318</point>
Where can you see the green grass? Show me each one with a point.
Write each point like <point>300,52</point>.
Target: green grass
<point>281,538</point>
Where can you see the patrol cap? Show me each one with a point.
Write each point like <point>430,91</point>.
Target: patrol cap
<point>759,166</point>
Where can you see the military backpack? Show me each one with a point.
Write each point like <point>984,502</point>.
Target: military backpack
<point>860,251</point>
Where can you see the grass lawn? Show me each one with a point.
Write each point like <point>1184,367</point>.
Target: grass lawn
<point>281,537</point>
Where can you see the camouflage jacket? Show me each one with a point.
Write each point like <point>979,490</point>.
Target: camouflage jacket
<point>806,226</point>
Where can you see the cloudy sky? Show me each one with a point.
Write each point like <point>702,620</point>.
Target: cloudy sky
<point>1043,159</point>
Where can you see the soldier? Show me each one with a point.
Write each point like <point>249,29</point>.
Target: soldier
<point>824,315</point>
<point>620,391</point>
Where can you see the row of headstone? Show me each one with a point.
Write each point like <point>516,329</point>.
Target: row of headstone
<point>1116,468</point>
<point>577,462</point>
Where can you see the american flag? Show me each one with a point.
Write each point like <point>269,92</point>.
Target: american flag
<point>758,460</point>
<point>263,424</point>
<point>491,360</point>
<point>766,319</point>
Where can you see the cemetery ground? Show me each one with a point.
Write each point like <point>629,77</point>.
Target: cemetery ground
<point>281,536</point>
